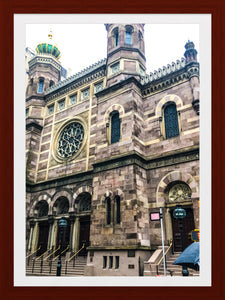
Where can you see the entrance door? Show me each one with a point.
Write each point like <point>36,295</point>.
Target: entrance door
<point>84,234</point>
<point>182,230</point>
<point>43,237</point>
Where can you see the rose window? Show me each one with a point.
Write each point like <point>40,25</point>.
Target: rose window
<point>70,140</point>
<point>180,192</point>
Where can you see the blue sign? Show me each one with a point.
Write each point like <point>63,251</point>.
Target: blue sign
<point>179,213</point>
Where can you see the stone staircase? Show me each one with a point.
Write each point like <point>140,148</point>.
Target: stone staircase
<point>174,270</point>
<point>45,268</point>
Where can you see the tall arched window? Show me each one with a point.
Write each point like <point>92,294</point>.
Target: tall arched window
<point>115,127</point>
<point>171,121</point>
<point>40,85</point>
<point>108,211</point>
<point>117,200</point>
<point>115,37</point>
<point>128,35</point>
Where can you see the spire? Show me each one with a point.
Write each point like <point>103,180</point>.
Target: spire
<point>191,53</point>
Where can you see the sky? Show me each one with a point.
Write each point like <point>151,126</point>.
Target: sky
<point>82,45</point>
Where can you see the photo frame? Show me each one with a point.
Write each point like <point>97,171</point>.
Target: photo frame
<point>8,290</point>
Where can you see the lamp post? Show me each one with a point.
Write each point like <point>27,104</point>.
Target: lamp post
<point>62,225</point>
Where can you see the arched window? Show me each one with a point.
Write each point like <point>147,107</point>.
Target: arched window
<point>41,209</point>
<point>40,85</point>
<point>115,37</point>
<point>115,127</point>
<point>61,206</point>
<point>140,39</point>
<point>108,211</point>
<point>128,35</point>
<point>84,202</point>
<point>51,83</point>
<point>117,200</point>
<point>171,121</point>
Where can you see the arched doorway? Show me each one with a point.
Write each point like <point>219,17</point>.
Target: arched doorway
<point>61,209</point>
<point>84,211</point>
<point>182,230</point>
<point>41,212</point>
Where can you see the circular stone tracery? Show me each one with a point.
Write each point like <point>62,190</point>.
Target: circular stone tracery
<point>70,140</point>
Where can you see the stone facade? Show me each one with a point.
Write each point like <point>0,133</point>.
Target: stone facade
<point>106,190</point>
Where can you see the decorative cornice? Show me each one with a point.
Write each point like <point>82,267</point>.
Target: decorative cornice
<point>127,48</point>
<point>168,76</point>
<point>77,77</point>
<point>180,156</point>
<point>118,86</point>
<point>45,59</point>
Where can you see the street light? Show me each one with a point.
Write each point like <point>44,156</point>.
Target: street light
<point>62,225</point>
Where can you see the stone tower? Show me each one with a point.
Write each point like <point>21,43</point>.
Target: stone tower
<point>44,71</point>
<point>125,52</point>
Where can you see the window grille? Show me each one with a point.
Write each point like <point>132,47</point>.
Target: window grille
<point>171,121</point>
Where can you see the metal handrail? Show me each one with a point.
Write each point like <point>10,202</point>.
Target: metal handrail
<point>159,262</point>
<point>73,257</point>
<point>52,253</point>
<point>33,252</point>
<point>37,258</point>
<point>61,252</point>
<point>76,253</point>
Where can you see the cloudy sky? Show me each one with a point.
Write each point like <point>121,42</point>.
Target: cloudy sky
<point>84,44</point>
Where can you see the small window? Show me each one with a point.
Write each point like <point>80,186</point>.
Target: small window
<point>128,35</point>
<point>117,263</point>
<point>104,262</point>
<point>115,68</point>
<point>27,112</point>
<point>85,94</point>
<point>50,109</point>
<point>51,83</point>
<point>115,127</point>
<point>140,38</point>
<point>116,37</point>
<point>110,262</point>
<point>61,104</point>
<point>117,210</point>
<point>41,86</point>
<point>131,253</point>
<point>108,211</point>
<point>98,87</point>
<point>73,99</point>
<point>171,121</point>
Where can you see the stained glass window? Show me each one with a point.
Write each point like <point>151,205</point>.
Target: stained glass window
<point>70,140</point>
<point>171,121</point>
<point>115,127</point>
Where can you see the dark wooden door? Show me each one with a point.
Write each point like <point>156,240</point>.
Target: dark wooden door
<point>182,230</point>
<point>84,234</point>
<point>43,237</point>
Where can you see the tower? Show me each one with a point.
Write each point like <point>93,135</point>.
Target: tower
<point>125,52</point>
<point>44,71</point>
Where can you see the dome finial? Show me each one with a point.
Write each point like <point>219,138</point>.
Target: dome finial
<point>50,33</point>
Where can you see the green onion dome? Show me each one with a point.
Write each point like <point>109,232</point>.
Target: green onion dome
<point>48,49</point>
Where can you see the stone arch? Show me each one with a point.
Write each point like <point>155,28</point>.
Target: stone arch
<point>63,193</point>
<point>114,107</point>
<point>168,98</point>
<point>80,190</point>
<point>119,193</point>
<point>42,197</point>
<point>176,176</point>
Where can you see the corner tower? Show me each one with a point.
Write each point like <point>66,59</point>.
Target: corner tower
<point>125,52</point>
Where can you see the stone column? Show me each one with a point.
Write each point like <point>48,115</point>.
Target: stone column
<point>76,236</point>
<point>35,237</point>
<point>32,223</point>
<point>54,233</point>
<point>168,225</point>
<point>50,221</point>
<point>72,221</point>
